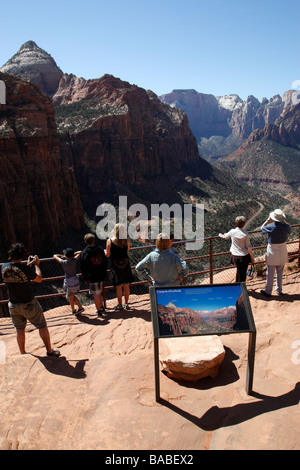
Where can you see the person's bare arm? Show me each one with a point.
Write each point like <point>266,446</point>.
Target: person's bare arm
<point>107,251</point>
<point>36,262</point>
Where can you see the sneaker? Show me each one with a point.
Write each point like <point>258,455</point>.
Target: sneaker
<point>265,293</point>
<point>54,353</point>
<point>126,306</point>
<point>101,312</point>
<point>80,310</point>
<point>118,307</point>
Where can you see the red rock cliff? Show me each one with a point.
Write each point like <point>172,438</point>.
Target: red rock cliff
<point>39,199</point>
<point>120,136</point>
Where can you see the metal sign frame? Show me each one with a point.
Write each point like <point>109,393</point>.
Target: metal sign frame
<point>251,329</point>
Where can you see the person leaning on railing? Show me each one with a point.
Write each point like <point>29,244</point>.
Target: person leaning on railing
<point>241,252</point>
<point>164,266</point>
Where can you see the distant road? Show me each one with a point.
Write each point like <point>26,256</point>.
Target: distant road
<point>261,208</point>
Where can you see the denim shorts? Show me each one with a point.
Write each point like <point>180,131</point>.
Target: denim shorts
<point>32,311</point>
<point>71,286</point>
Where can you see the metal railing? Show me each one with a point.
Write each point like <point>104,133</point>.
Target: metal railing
<point>212,259</point>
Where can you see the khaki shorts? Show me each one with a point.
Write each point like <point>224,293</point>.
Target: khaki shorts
<point>96,288</point>
<point>32,311</point>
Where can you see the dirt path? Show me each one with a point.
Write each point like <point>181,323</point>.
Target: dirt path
<point>261,208</point>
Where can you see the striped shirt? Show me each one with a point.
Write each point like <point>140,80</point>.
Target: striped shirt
<point>278,232</point>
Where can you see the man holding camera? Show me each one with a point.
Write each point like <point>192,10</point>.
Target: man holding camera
<point>22,304</point>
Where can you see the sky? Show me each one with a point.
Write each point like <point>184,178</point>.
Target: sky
<point>216,47</point>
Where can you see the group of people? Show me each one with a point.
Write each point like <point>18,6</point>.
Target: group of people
<point>162,267</point>
<point>278,230</point>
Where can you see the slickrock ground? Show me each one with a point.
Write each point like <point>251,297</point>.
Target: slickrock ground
<point>100,393</point>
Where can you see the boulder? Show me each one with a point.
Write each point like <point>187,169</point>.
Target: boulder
<point>191,358</point>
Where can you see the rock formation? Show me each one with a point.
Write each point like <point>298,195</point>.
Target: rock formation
<point>123,137</point>
<point>191,358</point>
<point>104,382</point>
<point>39,199</point>
<point>120,139</point>
<point>36,66</point>
<point>269,157</point>
<point>117,136</point>
<point>225,121</point>
<point>285,131</point>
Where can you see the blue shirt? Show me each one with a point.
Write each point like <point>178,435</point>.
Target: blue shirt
<point>278,232</point>
<point>164,266</point>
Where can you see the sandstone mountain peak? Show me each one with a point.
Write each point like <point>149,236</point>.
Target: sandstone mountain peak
<point>35,65</point>
<point>30,45</point>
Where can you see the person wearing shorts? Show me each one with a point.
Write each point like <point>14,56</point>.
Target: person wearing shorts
<point>23,306</point>
<point>93,264</point>
<point>96,288</point>
<point>68,262</point>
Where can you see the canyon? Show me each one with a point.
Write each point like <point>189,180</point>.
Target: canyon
<point>270,158</point>
<point>69,144</point>
<point>255,141</point>
<point>221,123</point>
<point>119,137</point>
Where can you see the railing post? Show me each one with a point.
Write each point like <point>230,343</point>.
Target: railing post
<point>211,272</point>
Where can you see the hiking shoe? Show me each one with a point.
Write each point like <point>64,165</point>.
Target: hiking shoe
<point>80,310</point>
<point>118,307</point>
<point>101,312</point>
<point>53,353</point>
<point>265,293</point>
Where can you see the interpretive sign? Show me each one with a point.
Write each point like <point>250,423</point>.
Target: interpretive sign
<point>215,309</point>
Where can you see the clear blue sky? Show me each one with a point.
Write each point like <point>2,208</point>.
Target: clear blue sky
<point>215,46</point>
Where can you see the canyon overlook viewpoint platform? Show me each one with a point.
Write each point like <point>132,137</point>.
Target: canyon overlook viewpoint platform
<point>100,393</point>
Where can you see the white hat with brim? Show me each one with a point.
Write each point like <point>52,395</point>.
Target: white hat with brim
<point>277,215</point>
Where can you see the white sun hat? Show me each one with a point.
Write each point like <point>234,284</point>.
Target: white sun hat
<point>277,215</point>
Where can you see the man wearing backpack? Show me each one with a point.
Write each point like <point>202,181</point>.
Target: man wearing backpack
<point>93,264</point>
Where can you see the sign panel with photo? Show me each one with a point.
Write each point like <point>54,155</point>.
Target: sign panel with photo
<point>215,309</point>
<point>201,310</point>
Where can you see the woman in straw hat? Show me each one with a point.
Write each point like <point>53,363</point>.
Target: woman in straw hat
<point>278,231</point>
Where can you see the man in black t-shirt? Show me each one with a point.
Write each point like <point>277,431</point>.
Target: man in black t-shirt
<point>22,304</point>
